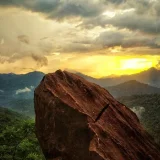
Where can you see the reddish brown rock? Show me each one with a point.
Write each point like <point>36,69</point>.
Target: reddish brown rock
<point>79,120</point>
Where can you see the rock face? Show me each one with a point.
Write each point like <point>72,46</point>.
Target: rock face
<point>79,120</point>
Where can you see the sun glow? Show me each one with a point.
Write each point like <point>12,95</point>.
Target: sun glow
<point>136,63</point>
<point>97,65</point>
<point>102,65</point>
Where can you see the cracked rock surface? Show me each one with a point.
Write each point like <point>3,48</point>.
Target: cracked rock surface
<point>79,120</point>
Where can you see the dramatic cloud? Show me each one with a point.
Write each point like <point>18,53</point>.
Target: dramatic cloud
<point>126,39</point>
<point>23,39</point>
<point>138,15</point>
<point>145,12</point>
<point>24,90</point>
<point>34,5</point>
<point>115,1</point>
<point>133,21</point>
<point>47,35</point>
<point>58,9</point>
<point>130,20</point>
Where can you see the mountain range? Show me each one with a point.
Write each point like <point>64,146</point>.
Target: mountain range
<point>11,81</point>
<point>132,87</point>
<point>150,76</point>
<point>16,91</point>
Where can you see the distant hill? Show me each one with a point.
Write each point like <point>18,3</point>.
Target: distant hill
<point>16,91</point>
<point>132,87</point>
<point>147,107</point>
<point>12,81</point>
<point>150,76</point>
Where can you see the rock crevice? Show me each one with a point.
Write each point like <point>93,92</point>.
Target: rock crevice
<point>101,112</point>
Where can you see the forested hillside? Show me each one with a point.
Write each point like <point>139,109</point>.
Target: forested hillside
<point>147,107</point>
<point>17,137</point>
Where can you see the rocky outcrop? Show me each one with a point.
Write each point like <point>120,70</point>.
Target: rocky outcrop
<point>79,120</point>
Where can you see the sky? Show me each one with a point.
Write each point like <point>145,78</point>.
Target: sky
<point>98,37</point>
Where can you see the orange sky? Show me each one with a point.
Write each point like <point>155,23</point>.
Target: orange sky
<point>95,65</point>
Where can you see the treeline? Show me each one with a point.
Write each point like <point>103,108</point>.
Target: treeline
<point>17,137</point>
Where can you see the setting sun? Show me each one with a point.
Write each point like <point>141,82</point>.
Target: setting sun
<point>137,63</point>
<point>102,65</point>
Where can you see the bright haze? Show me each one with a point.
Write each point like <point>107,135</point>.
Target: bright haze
<point>96,37</point>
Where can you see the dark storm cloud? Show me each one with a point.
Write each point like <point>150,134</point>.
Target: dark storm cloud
<point>115,1</point>
<point>110,39</point>
<point>136,22</point>
<point>75,9</point>
<point>144,7</point>
<point>58,9</point>
<point>45,6</point>
<point>141,15</point>
<point>131,21</point>
<point>145,16</point>
<point>126,40</point>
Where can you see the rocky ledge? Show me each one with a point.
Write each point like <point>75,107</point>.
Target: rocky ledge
<point>79,120</point>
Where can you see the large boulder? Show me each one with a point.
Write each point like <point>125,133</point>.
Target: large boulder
<point>79,120</point>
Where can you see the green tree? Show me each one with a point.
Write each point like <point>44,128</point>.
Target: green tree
<point>18,141</point>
